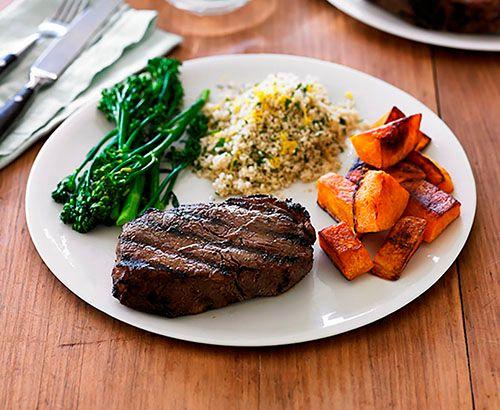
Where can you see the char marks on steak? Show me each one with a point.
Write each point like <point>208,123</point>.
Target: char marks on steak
<point>198,257</point>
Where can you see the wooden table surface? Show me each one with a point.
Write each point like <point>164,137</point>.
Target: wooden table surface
<point>440,351</point>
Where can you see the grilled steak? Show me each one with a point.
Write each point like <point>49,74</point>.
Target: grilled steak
<point>198,257</point>
<point>466,16</point>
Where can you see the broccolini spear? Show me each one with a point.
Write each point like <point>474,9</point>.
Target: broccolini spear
<point>191,116</point>
<point>66,187</point>
<point>141,103</point>
<point>162,194</point>
<point>108,187</point>
<point>114,175</point>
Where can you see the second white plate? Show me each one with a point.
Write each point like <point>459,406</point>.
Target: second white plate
<point>380,19</point>
<point>324,303</point>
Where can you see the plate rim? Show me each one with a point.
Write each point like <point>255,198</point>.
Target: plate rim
<point>381,311</point>
<point>419,34</point>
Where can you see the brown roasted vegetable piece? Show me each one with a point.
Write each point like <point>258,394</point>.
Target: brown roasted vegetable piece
<point>335,196</point>
<point>434,172</point>
<point>379,202</point>
<point>385,146</point>
<point>405,171</point>
<point>345,250</point>
<point>395,114</point>
<point>447,184</point>
<point>437,207</point>
<point>358,171</point>
<point>382,120</point>
<point>401,243</point>
<point>422,142</point>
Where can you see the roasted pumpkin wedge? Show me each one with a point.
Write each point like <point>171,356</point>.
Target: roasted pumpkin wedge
<point>382,120</point>
<point>379,202</point>
<point>399,246</point>
<point>335,196</point>
<point>345,250</point>
<point>388,144</point>
<point>395,114</point>
<point>447,184</point>
<point>405,171</point>
<point>358,171</point>
<point>437,207</point>
<point>422,142</point>
<point>434,173</point>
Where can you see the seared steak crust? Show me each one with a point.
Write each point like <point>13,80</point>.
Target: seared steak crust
<point>204,256</point>
<point>466,16</point>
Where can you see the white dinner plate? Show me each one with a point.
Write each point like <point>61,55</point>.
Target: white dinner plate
<point>381,19</point>
<point>324,303</point>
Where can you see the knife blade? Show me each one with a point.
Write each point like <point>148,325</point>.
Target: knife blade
<point>58,56</point>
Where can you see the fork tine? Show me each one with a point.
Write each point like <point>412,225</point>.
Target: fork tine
<point>73,12</point>
<point>59,11</point>
<point>63,18</point>
<point>68,16</point>
<point>85,4</point>
<point>81,7</point>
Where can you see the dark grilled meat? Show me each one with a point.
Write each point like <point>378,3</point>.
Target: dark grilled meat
<point>465,16</point>
<point>198,257</point>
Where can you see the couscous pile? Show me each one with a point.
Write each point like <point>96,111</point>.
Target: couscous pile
<point>268,135</point>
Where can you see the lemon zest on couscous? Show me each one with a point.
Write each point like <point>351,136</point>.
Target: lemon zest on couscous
<point>271,134</point>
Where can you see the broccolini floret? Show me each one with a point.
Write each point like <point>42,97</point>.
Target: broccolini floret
<point>109,186</point>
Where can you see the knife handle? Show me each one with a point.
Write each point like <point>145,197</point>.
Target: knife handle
<point>6,61</point>
<point>14,107</point>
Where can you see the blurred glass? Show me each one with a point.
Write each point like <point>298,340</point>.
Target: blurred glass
<point>210,18</point>
<point>208,7</point>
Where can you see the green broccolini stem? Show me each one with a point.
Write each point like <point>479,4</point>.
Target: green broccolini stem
<point>155,199</point>
<point>112,189</point>
<point>115,212</point>
<point>195,107</point>
<point>183,120</point>
<point>144,168</point>
<point>179,122</point>
<point>122,125</point>
<point>132,201</point>
<point>154,179</point>
<point>68,186</point>
<point>168,192</point>
<point>180,126</point>
<point>128,161</point>
<point>146,147</point>
<point>137,106</point>
<point>92,153</point>
<point>135,133</point>
<point>165,86</point>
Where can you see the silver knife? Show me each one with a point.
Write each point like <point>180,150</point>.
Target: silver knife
<point>58,56</point>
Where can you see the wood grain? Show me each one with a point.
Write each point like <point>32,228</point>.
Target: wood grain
<point>57,352</point>
<point>476,123</point>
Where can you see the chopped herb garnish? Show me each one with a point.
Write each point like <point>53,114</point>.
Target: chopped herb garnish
<point>220,143</point>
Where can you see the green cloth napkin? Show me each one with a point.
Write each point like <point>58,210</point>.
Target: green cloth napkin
<point>122,47</point>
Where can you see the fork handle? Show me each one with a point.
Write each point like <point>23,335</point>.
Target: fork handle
<point>6,61</point>
<point>14,107</point>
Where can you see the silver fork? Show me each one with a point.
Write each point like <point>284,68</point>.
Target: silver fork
<point>54,26</point>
